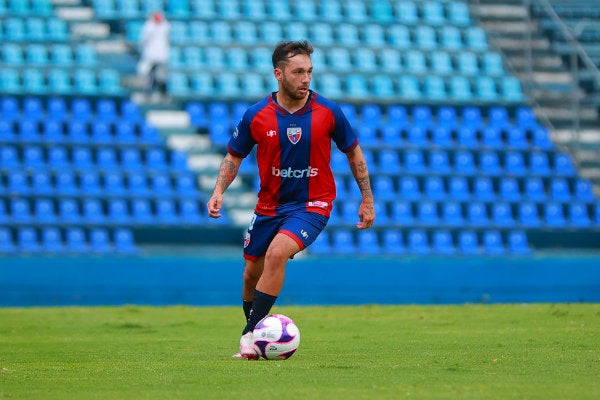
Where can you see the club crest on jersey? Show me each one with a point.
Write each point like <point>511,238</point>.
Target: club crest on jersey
<point>246,239</point>
<point>294,134</point>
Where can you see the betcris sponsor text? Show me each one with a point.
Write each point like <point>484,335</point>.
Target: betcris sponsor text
<point>295,173</point>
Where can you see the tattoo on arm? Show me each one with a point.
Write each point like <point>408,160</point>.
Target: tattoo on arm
<point>361,175</point>
<point>227,173</point>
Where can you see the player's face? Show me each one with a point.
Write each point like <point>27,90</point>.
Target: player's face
<point>296,76</point>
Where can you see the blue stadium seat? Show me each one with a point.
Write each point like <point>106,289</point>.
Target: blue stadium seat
<point>414,161</point>
<point>409,87</point>
<point>539,163</point>
<point>554,214</point>
<point>510,89</point>
<point>393,242</point>
<point>342,241</point>
<point>492,64</point>
<point>485,89</point>
<point>475,38</point>
<point>514,163</point>
<point>442,242</point>
<point>477,214</point>
<point>368,242</point>
<point>124,241</point>
<point>41,183</point>
<point>357,86</point>
<point>563,165</point>
<point>435,88</point>
<point>458,188</point>
<point>508,188</point>
<point>7,244</point>
<point>534,189</point>
<point>466,137</point>
<point>383,187</point>
<point>33,157</point>
<point>541,138</point>
<point>305,10</point>
<point>322,244</point>
<point>464,162</point>
<point>425,37</point>
<point>99,241</point>
<point>433,187</point>
<point>190,212</point>
<point>34,81</point>
<point>583,190</point>
<point>468,243</point>
<point>415,62</point>
<point>166,211</point>
<point>27,240</point>
<point>75,240</point>
<point>390,161</point>
<point>85,81</point>
<point>439,161</point>
<point>330,10</point>
<point>17,182</point>
<point>383,87</point>
<point>374,35</point>
<point>418,242</point>
<point>560,190</point>
<point>401,213</point>
<point>51,240</point>
<point>517,242</point>
<point>390,60</point>
<point>458,13</point>
<point>489,163</point>
<point>578,214</point>
<point>141,211</point>
<point>502,214</point>
<point>492,242</point>
<point>452,213</point>
<point>491,137</point>
<point>416,135</point>
<point>483,188</point>
<point>406,12</point>
<point>451,38</point>
<point>427,213</point>
<point>118,211</point>
<point>113,182</point>
<point>441,63</point>
<point>528,214</point>
<point>68,210</point>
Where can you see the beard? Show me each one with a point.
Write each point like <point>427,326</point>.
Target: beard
<point>291,91</point>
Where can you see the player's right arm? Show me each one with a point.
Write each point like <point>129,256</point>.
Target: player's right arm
<point>227,173</point>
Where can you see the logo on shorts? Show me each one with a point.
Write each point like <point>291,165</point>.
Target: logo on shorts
<point>246,239</point>
<point>304,234</point>
<point>294,134</point>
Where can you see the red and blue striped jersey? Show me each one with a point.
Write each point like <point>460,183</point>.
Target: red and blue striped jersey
<point>293,152</point>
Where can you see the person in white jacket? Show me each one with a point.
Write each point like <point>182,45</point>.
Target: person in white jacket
<point>155,46</point>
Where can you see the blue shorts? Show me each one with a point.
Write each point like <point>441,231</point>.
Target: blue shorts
<point>301,225</point>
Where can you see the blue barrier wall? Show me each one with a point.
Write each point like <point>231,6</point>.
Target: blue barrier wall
<point>212,280</point>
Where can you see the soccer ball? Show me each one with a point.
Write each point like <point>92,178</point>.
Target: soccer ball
<point>276,337</point>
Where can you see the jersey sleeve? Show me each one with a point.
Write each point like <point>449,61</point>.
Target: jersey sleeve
<point>241,142</point>
<point>343,134</point>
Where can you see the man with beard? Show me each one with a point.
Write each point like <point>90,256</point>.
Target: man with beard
<point>293,130</point>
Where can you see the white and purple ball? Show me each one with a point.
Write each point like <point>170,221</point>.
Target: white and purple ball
<point>276,337</point>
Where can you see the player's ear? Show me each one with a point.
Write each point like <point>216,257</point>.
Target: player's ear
<point>278,73</point>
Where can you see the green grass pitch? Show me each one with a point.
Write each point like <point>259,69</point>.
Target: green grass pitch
<point>530,351</point>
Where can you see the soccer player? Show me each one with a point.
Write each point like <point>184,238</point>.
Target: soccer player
<point>292,130</point>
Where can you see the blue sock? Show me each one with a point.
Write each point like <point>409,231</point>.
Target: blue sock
<point>261,305</point>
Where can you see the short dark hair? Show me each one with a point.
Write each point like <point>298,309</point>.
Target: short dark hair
<point>285,50</point>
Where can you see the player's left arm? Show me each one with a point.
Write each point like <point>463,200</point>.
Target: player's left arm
<point>360,171</point>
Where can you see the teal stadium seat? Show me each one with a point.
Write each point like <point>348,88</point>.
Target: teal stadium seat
<point>330,10</point>
<point>406,12</point>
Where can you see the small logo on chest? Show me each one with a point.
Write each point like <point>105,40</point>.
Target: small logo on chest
<point>294,134</point>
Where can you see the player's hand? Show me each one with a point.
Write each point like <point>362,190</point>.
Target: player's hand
<point>366,215</point>
<point>214,204</point>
